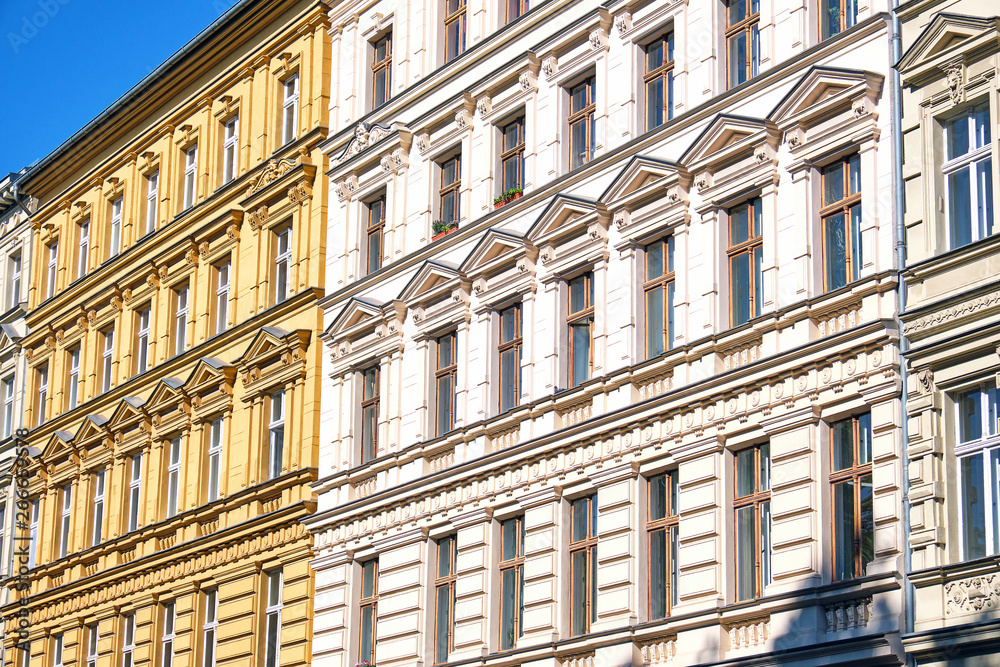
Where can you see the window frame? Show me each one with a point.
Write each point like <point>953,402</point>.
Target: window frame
<point>210,627</point>
<point>669,525</point>
<point>142,358</point>
<point>587,117</point>
<point>282,264</point>
<point>115,227</point>
<point>452,189</point>
<point>230,148</point>
<point>986,447</point>
<point>667,283</point>
<point>747,27</point>
<point>447,551</point>
<point>190,186</point>
<point>152,200</point>
<point>276,434</point>
<point>65,519</point>
<point>456,16</point>
<point>662,73</point>
<point>134,492</point>
<point>107,358</point>
<point>42,378</point>
<point>853,474</point>
<point>97,508</point>
<point>756,499</point>
<point>128,640</point>
<point>14,279</point>
<point>173,475</point>
<point>57,650</point>
<point>273,605</point>
<point>290,108</point>
<point>53,268</point>
<point>588,546</point>
<point>83,256</point>
<point>375,231</point>
<point>512,154</point>
<point>515,564</point>
<point>8,405</point>
<point>93,639</point>
<point>33,532</point>
<point>182,308</point>
<point>845,22</point>
<point>381,67</point>
<point>521,7</point>
<point>969,161</point>
<point>843,206</point>
<point>515,345</point>
<point>753,247</point>
<point>216,436</point>
<point>222,290</point>
<point>370,602</point>
<point>169,635</point>
<point>449,372</point>
<point>578,319</point>
<point>369,446</point>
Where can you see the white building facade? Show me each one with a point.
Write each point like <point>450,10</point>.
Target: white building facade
<point>613,372</point>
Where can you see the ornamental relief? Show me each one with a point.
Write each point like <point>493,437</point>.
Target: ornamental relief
<point>274,170</point>
<point>975,594</point>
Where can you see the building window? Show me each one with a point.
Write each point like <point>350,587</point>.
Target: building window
<point>290,108</point>
<point>214,458</point>
<point>128,642</point>
<point>190,176</point>
<point>661,531</point>
<point>115,242</point>
<point>174,477</point>
<point>210,628</point>
<point>510,357</point>
<point>746,249</point>
<point>659,294</point>
<point>512,156</point>
<point>57,650</point>
<point>180,319</point>
<point>369,611</point>
<point>516,9</point>
<point>583,564</point>
<point>142,340</point>
<point>968,172</point>
<point>43,392</point>
<point>454,29</point>
<point>282,264</point>
<point>26,654</point>
<point>381,70</point>
<point>222,283</point>
<point>978,416</point>
<point>107,357</point>
<point>83,232</point>
<point>743,40</point>
<point>167,639</point>
<point>841,215</point>
<point>580,319</point>
<point>230,146</point>
<point>98,515</point>
<point>8,406</point>
<point>449,195</point>
<point>50,277</point>
<point>33,533</point>
<point>511,582</point>
<point>152,200</point>
<point>851,484</point>
<point>276,430</point>
<point>752,508</point>
<point>582,123</point>
<point>376,228</point>
<point>14,280</point>
<point>369,413</point>
<point>134,492</point>
<point>444,379</point>
<point>659,81</point>
<point>64,523</point>
<point>836,16</point>
<point>444,596</point>
<point>272,634</point>
<point>92,640</point>
<point>74,378</point>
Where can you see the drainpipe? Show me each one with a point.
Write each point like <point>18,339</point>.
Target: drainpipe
<point>895,50</point>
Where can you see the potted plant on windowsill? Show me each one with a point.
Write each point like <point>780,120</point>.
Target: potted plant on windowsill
<point>507,196</point>
<point>443,228</point>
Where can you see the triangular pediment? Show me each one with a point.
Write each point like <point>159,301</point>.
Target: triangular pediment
<point>355,315</point>
<point>58,442</point>
<point>209,370</point>
<point>430,276</point>
<point>496,243</point>
<point>725,137</point>
<point>264,342</point>
<point>91,428</point>
<point>561,216</point>
<point>128,409</point>
<point>166,392</point>
<point>822,88</point>
<point>946,37</point>
<point>641,171</point>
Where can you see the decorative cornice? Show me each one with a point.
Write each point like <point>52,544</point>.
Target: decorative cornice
<point>955,312</point>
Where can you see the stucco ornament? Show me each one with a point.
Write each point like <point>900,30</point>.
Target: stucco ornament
<point>973,594</point>
<point>365,135</point>
<point>955,73</point>
<point>274,170</point>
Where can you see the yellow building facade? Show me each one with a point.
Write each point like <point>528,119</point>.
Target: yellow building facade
<point>173,367</point>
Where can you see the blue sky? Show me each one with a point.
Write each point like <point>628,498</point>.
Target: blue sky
<point>79,56</point>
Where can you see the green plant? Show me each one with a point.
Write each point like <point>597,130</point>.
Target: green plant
<point>440,226</point>
<point>507,195</point>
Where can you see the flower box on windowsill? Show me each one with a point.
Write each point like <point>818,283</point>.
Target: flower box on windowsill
<point>442,229</point>
<point>507,197</point>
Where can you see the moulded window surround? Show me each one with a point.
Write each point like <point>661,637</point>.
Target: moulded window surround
<point>83,256</point>
<point>369,612</point>
<point>43,392</point>
<point>370,382</point>
<point>152,201</point>
<point>742,40</point>
<point>454,29</point>
<point>210,627</point>
<point>190,176</point>
<point>276,435</point>
<point>8,406</point>
<point>381,70</point>
<point>583,564</point>
<point>230,148</point>
<point>449,202</point>
<point>658,291</point>
<point>289,108</point>
<point>66,516</point>
<point>512,155</point>
<point>836,16</point>
<point>968,175</point>
<point>375,234</point>
<point>14,279</point>
<point>128,641</point>
<point>142,356</point>
<point>93,638</point>
<point>33,533</point>
<point>214,459</point>
<point>659,80</point>
<point>444,381</point>
<point>977,434</point>
<point>97,518</point>
<point>115,245</point>
<point>223,272</point>
<point>107,358</point>
<point>134,492</point>
<point>580,320</point>
<point>509,351</point>
<point>582,122</point>
<point>841,214</point>
<point>272,622</point>
<point>511,582</point>
<point>180,319</point>
<point>168,636</point>
<point>174,476</point>
<point>444,598</point>
<point>53,268</point>
<point>746,251</point>
<point>282,264</point>
<point>515,9</point>
<point>851,488</point>
<point>752,510</point>
<point>662,525</point>
<point>73,390</point>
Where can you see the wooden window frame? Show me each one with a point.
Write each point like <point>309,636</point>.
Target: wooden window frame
<point>842,24</point>
<point>454,188</point>
<point>513,153</point>
<point>458,15</point>
<point>854,474</point>
<point>842,206</point>
<point>664,72</point>
<point>515,564</point>
<point>747,247</point>
<point>670,525</point>
<point>733,30</point>
<point>382,66</point>
<point>369,602</point>
<point>448,370</point>
<point>589,545</point>
<point>664,282</point>
<point>515,344</point>
<point>375,232</point>
<point>756,499</point>
<point>519,7</point>
<point>585,115</point>
<point>446,546</point>
<point>577,318</point>
<point>370,402</point>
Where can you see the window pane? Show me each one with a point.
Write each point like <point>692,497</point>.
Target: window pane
<point>367,621</point>
<point>970,417</point>
<point>836,252</point>
<point>984,198</point>
<point>654,103</point>
<point>854,174</point>
<point>992,410</point>
<point>508,529</point>
<point>658,574</point>
<point>758,282</point>
<point>581,353</point>
<point>654,322</point>
<point>745,553</point>
<point>737,11</point>
<point>957,132</point>
<point>866,521</point>
<point>510,371</point>
<point>654,55</point>
<point>843,530</point>
<point>855,242</point>
<point>448,207</point>
<point>443,624</point>
<point>973,507</point>
<point>670,315</point>
<point>368,441</point>
<point>865,438</point>
<point>444,398</point>
<point>580,517</point>
<point>579,609</point>
<point>368,579</point>
<point>830,18</point>
<point>658,497</point>
<point>764,474</point>
<point>508,608</point>
<point>737,59</point>
<point>578,144</point>
<point>578,293</point>
<point>739,224</point>
<point>592,575</point>
<point>740,286</point>
<point>842,444</point>
<point>445,549</point>
<point>745,472</point>
<point>765,544</point>
<point>654,260</point>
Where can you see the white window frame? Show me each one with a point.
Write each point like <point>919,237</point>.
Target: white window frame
<point>987,447</point>
<point>14,264</point>
<point>282,264</point>
<point>107,358</point>
<point>93,638</point>
<point>33,532</point>
<point>57,650</point>
<point>223,270</point>
<point>290,108</point>
<point>215,459</point>
<point>116,227</point>
<point>128,641</point>
<point>969,161</point>
<point>181,319</point>
<point>26,654</point>
<point>190,176</point>
<point>272,613</point>
<point>169,635</point>
<point>74,377</point>
<point>230,146</point>
<point>210,628</point>
<point>43,392</point>
<point>134,492</point>
<point>152,200</point>
<point>142,361</point>
<point>97,531</point>
<point>65,518</point>
<point>8,406</point>
<point>50,287</point>
<point>83,259</point>
<point>174,476</point>
<point>276,435</point>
